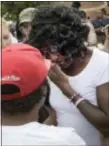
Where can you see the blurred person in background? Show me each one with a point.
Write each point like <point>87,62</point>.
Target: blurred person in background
<point>12,28</point>
<point>60,35</point>
<point>100,39</point>
<point>101,20</point>
<point>106,43</point>
<point>5,34</point>
<point>103,38</point>
<point>23,92</point>
<point>96,37</point>
<point>24,23</point>
<point>76,4</point>
<point>104,13</point>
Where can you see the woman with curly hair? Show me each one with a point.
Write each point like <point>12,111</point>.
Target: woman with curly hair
<point>60,35</point>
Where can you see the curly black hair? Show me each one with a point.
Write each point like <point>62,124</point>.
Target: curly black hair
<point>19,35</point>
<point>76,4</point>
<point>58,28</point>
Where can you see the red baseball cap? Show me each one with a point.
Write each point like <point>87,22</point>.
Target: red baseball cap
<point>24,67</point>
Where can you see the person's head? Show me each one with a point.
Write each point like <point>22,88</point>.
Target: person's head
<point>5,34</point>
<point>83,16</point>
<point>59,33</point>
<point>100,13</point>
<point>103,11</point>
<point>76,4</point>
<point>25,18</point>
<point>100,37</point>
<point>24,84</point>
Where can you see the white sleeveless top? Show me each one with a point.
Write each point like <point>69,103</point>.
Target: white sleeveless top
<point>85,83</point>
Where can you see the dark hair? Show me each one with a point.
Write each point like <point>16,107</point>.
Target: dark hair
<point>24,105</point>
<point>58,28</point>
<point>76,4</point>
<point>83,14</point>
<point>103,11</point>
<point>100,36</point>
<point>19,35</point>
<point>12,28</point>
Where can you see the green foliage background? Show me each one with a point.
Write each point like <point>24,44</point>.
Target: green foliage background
<point>11,9</point>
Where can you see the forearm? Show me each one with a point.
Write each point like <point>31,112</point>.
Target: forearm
<point>92,113</point>
<point>95,116</point>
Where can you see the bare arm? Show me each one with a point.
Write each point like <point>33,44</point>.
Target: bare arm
<point>98,116</point>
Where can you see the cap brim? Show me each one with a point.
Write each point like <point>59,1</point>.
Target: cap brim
<point>47,63</point>
<point>25,20</point>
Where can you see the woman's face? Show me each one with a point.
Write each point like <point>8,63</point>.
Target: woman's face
<point>61,60</point>
<point>5,37</point>
<point>50,52</point>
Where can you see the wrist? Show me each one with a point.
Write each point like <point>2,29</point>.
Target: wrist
<point>70,93</point>
<point>75,98</point>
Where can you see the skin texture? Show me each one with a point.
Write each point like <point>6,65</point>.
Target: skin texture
<point>98,116</point>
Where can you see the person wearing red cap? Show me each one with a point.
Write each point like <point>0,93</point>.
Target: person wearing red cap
<point>23,87</point>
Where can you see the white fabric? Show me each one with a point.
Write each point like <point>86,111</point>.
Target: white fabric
<point>100,46</point>
<point>85,83</point>
<point>37,134</point>
<point>14,40</point>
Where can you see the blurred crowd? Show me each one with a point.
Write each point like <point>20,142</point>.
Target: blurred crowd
<point>55,72</point>
<point>13,32</point>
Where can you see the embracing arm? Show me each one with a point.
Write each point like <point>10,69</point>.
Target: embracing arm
<point>98,116</point>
